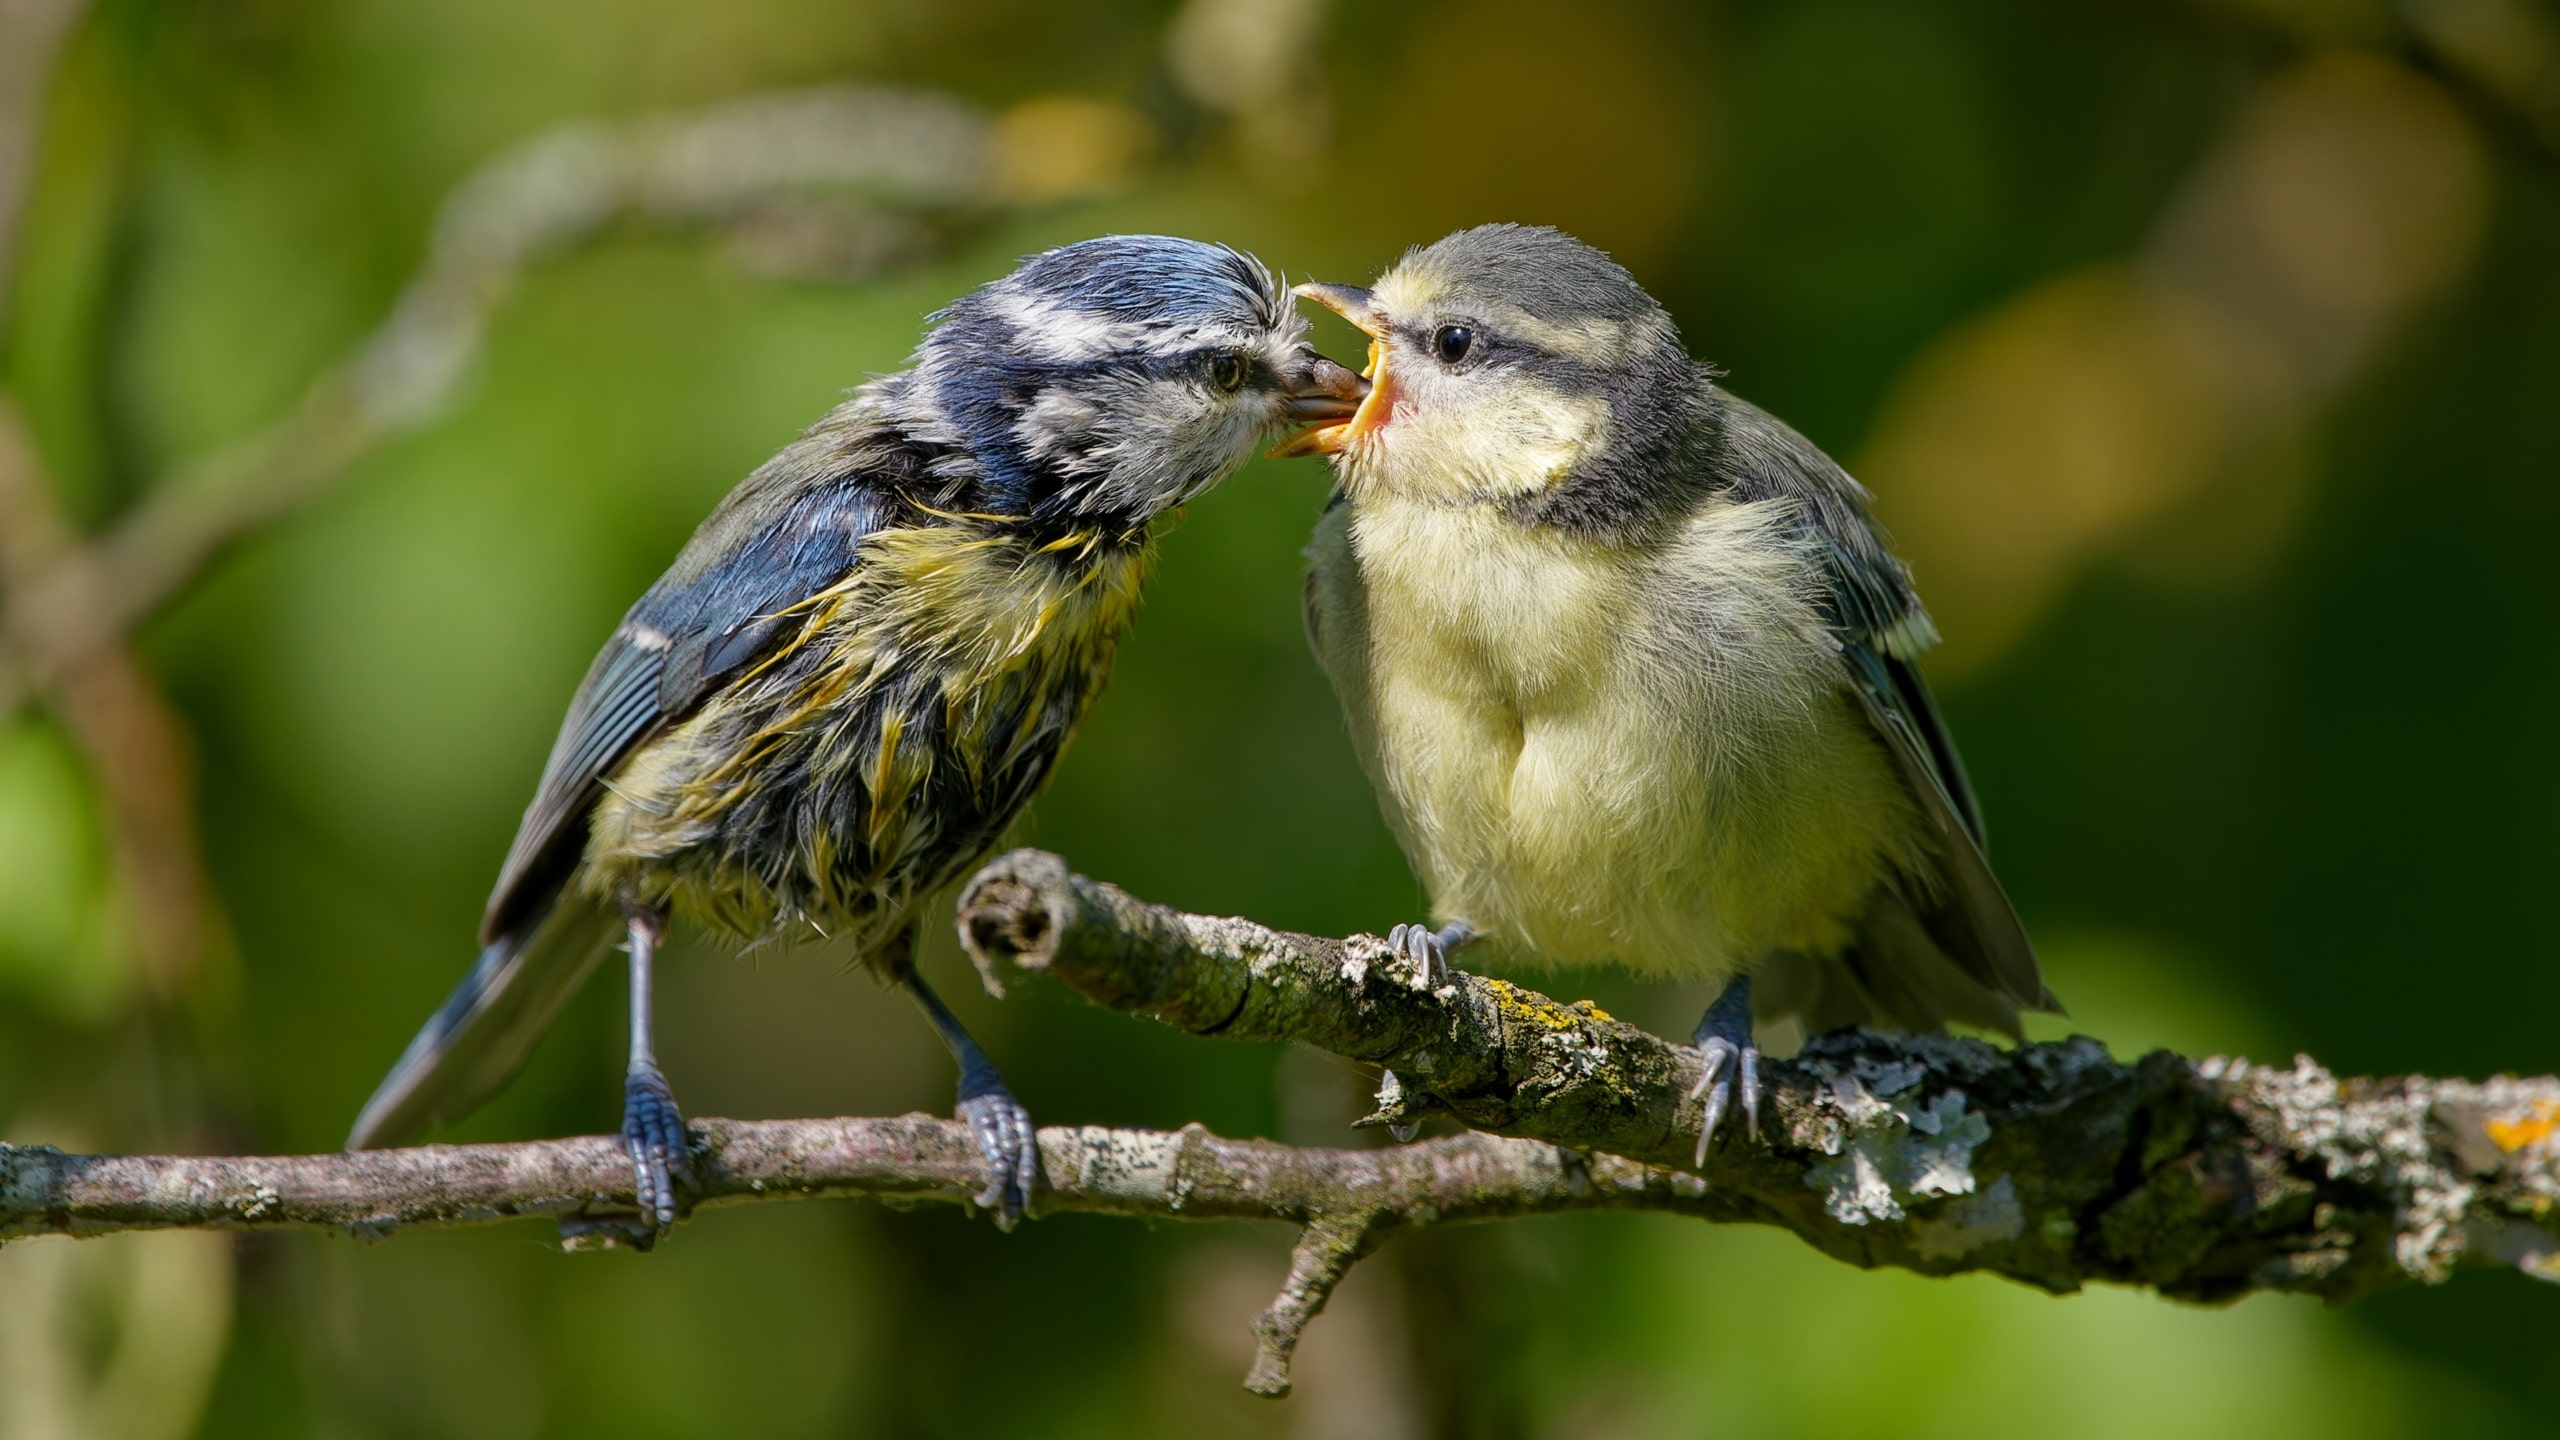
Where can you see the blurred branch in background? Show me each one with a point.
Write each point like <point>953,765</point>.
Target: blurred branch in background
<point>113,709</point>
<point>107,701</point>
<point>845,180</point>
<point>31,32</point>
<point>2050,1164</point>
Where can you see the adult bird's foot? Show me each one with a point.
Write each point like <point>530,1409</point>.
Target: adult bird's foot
<point>1423,953</point>
<point>653,1131</point>
<point>1011,1148</point>
<point>1732,1068</point>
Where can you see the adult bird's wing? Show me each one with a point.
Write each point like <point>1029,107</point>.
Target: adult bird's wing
<point>1881,628</point>
<point>787,533</point>
<point>773,543</point>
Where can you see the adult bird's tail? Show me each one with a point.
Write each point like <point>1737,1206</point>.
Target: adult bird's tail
<point>481,1034</point>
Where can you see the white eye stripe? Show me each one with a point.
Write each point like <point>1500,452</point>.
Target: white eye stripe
<point>1045,327</point>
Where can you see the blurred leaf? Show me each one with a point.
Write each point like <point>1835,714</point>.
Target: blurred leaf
<point>114,1338</point>
<point>64,943</point>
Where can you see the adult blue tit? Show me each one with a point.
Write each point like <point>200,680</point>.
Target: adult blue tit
<point>1632,669</point>
<point>866,661</point>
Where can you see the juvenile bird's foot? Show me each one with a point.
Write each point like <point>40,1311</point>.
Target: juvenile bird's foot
<point>1732,1062</point>
<point>1423,953</point>
<point>1005,1138</point>
<point>653,1131</point>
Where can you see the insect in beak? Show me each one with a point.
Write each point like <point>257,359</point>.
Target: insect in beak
<point>1377,400</point>
<point>1326,397</point>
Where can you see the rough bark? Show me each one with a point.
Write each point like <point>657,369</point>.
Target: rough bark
<point>2052,1163</point>
<point>1347,1200</point>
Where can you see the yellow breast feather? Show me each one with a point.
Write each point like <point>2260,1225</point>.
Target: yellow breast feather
<point>914,701</point>
<point>1568,776</point>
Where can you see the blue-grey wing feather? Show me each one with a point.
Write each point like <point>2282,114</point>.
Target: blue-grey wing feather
<point>1881,626</point>
<point>787,533</point>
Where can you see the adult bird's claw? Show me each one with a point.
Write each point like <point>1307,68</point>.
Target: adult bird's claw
<point>1011,1148</point>
<point>653,1131</point>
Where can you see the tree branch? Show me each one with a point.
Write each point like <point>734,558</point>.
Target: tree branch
<point>1186,1174</point>
<point>1346,1199</point>
<point>2050,1164</point>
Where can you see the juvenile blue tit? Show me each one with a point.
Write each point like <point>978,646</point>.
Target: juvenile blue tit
<point>1632,670</point>
<point>866,661</point>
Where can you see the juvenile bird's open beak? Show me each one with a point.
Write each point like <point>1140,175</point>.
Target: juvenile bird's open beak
<point>1325,396</point>
<point>1360,308</point>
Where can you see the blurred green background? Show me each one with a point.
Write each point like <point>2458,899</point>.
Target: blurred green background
<point>2203,358</point>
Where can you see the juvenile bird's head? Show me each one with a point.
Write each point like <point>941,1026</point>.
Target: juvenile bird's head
<point>1515,365</point>
<point>1111,379</point>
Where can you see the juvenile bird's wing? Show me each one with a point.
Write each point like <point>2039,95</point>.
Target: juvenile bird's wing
<point>1882,628</point>
<point>786,533</point>
<point>1335,607</point>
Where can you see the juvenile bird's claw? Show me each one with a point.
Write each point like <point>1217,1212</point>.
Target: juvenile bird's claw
<point>1718,1087</point>
<point>1012,1150</point>
<point>1417,956</point>
<point>1732,1063</point>
<point>653,1131</point>
<point>1424,952</point>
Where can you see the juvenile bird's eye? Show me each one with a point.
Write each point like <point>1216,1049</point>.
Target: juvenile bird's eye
<point>1227,371</point>
<point>1452,343</point>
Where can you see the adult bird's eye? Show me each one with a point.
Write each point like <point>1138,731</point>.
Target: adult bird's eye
<point>1452,343</point>
<point>1227,371</point>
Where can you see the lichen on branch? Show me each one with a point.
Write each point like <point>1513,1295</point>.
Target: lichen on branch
<point>2051,1164</point>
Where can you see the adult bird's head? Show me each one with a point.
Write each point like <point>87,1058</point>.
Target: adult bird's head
<point>1109,380</point>
<point>1515,365</point>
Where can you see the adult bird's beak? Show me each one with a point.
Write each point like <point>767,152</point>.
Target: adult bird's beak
<point>1325,396</point>
<point>1360,307</point>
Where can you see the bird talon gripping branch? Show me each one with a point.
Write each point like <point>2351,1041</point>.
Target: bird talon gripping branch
<point>1012,1150</point>
<point>653,1131</point>
<point>1423,953</point>
<point>865,662</point>
<point>1730,1067</point>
